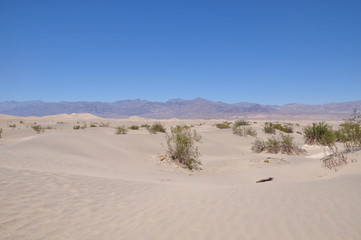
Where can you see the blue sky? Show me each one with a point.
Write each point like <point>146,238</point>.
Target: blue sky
<point>268,52</point>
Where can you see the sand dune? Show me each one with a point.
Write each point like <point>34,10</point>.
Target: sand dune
<point>93,184</point>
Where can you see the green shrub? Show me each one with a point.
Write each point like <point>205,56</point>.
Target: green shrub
<point>134,127</point>
<point>283,143</point>
<point>271,128</point>
<point>258,146</point>
<point>147,126</point>
<point>76,127</point>
<point>288,146</point>
<point>223,125</point>
<point>37,128</point>
<point>244,131</point>
<point>350,131</point>
<point>104,124</point>
<point>286,128</point>
<point>93,125</point>
<point>157,127</point>
<point>268,128</point>
<point>240,123</point>
<point>121,130</point>
<point>181,146</point>
<point>319,133</point>
<point>273,145</point>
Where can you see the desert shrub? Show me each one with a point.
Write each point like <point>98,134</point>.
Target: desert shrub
<point>283,143</point>
<point>288,146</point>
<point>121,130</point>
<point>223,125</point>
<point>240,123</point>
<point>21,121</point>
<point>271,128</point>
<point>157,127</point>
<point>286,128</point>
<point>319,133</point>
<point>1,131</point>
<point>273,145</point>
<point>335,160</point>
<point>244,131</point>
<point>76,127</point>
<point>37,128</point>
<point>258,146</point>
<point>104,124</point>
<point>181,146</point>
<point>350,131</point>
<point>134,127</point>
<point>12,125</point>
<point>93,125</point>
<point>268,128</point>
<point>147,126</point>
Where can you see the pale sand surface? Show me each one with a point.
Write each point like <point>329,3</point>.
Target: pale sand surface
<point>93,184</point>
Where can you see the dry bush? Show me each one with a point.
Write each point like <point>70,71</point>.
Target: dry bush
<point>283,143</point>
<point>244,131</point>
<point>121,130</point>
<point>350,131</point>
<point>134,127</point>
<point>258,146</point>
<point>37,128</point>
<point>181,146</point>
<point>157,127</point>
<point>335,160</point>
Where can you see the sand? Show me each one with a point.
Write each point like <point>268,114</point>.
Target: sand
<point>93,184</point>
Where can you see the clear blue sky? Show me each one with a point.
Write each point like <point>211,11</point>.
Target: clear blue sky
<point>268,52</point>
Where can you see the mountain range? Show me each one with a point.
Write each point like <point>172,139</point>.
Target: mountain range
<point>198,108</point>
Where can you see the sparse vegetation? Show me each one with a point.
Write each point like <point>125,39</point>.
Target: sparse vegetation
<point>104,124</point>
<point>240,123</point>
<point>37,128</point>
<point>335,160</point>
<point>244,131</point>
<point>1,131</point>
<point>121,130</point>
<point>350,131</point>
<point>147,126</point>
<point>77,127</point>
<point>268,128</point>
<point>259,145</point>
<point>157,127</point>
<point>223,125</point>
<point>12,125</point>
<point>319,133</point>
<point>181,147</point>
<point>283,143</point>
<point>93,125</point>
<point>271,128</point>
<point>134,127</point>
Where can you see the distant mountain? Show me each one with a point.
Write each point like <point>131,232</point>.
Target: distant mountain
<point>184,109</point>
